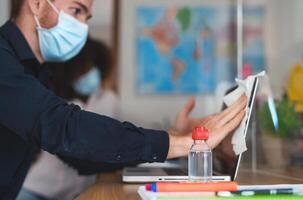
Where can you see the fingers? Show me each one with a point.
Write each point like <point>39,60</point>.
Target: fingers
<point>241,102</point>
<point>234,123</point>
<point>232,111</point>
<point>220,133</point>
<point>189,105</point>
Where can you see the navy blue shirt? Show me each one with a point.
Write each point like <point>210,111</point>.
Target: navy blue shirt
<point>34,118</point>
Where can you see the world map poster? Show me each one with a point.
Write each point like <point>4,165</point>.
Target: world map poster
<point>185,50</point>
<point>176,50</point>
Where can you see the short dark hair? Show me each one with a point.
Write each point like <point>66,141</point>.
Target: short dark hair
<point>16,6</point>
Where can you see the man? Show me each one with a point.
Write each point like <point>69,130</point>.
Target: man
<point>33,118</point>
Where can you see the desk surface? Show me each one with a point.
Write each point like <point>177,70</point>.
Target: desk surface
<point>110,187</point>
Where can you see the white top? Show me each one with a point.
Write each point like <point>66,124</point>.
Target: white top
<point>104,102</point>
<point>51,177</point>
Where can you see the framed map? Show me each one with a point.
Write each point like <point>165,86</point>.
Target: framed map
<point>178,47</point>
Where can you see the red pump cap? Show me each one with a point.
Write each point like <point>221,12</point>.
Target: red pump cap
<point>200,133</point>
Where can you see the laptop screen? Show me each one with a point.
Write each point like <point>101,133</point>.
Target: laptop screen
<point>225,160</point>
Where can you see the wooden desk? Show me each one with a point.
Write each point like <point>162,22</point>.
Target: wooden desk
<point>110,187</point>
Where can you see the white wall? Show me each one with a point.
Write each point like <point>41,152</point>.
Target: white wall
<point>285,36</point>
<point>4,11</point>
<point>101,24</point>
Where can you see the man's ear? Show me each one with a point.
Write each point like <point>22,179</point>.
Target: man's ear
<point>34,6</point>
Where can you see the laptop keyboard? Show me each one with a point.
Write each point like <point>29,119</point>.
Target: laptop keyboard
<point>175,172</point>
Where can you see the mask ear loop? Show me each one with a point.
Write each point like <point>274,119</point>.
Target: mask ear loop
<point>37,21</point>
<point>55,9</point>
<point>53,6</point>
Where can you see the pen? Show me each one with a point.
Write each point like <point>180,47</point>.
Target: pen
<point>260,191</point>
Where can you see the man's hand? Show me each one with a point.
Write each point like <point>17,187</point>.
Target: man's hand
<point>225,122</point>
<point>218,125</point>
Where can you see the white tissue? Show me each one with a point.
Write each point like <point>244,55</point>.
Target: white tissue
<point>244,86</point>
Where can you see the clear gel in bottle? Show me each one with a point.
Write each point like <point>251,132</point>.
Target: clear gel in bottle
<point>200,157</point>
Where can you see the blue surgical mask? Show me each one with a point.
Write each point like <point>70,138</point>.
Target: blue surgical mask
<point>65,40</point>
<point>88,83</point>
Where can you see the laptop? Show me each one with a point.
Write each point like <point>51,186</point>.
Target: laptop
<point>225,162</point>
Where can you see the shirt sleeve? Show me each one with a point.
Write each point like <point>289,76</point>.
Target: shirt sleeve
<point>45,121</point>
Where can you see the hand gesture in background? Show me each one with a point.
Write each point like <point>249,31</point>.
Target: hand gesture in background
<point>183,122</point>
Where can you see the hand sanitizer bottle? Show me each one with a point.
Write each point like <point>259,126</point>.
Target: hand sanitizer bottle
<point>200,157</point>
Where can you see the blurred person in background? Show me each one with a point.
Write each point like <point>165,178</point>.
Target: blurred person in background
<point>32,117</point>
<point>85,81</point>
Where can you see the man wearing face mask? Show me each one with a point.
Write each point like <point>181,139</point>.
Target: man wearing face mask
<point>33,118</point>
<point>83,80</point>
